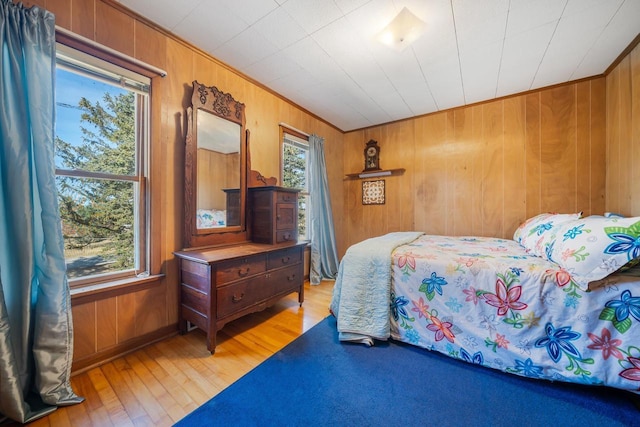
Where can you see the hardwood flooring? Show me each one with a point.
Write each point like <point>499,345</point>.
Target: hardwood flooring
<point>163,382</point>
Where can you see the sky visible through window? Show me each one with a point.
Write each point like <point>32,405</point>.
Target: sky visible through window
<point>87,251</point>
<point>70,87</point>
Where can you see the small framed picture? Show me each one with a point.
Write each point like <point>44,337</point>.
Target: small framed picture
<point>373,192</point>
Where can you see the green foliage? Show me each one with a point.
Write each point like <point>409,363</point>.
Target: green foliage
<point>100,211</point>
<point>294,175</point>
<point>295,164</point>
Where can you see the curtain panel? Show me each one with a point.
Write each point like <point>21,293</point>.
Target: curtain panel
<point>36,339</point>
<point>324,256</point>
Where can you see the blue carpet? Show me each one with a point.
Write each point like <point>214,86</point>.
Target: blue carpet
<point>318,381</point>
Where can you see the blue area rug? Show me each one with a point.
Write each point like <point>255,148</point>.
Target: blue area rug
<point>318,381</point>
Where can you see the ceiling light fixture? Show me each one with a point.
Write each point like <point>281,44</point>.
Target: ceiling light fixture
<point>403,30</point>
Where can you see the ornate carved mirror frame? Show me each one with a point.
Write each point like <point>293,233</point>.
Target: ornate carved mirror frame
<point>209,101</point>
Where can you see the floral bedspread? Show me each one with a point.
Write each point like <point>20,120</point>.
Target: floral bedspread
<point>486,301</point>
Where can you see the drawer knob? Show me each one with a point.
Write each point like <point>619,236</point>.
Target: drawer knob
<point>236,298</point>
<point>291,278</point>
<point>286,259</point>
<point>243,272</point>
<point>286,236</point>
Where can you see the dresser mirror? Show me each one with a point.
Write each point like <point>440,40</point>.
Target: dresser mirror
<point>215,168</point>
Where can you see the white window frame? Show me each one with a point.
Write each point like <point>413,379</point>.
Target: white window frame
<point>90,66</point>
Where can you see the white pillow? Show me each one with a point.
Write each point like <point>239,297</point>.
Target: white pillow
<point>538,233</point>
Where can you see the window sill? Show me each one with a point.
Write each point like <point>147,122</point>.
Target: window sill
<point>98,291</point>
<point>308,242</point>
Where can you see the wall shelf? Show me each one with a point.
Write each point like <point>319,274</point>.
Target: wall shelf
<point>375,174</point>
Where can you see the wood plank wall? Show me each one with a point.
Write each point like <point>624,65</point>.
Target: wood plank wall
<point>623,136</point>
<point>109,323</point>
<point>483,169</point>
<point>479,170</point>
<point>209,170</point>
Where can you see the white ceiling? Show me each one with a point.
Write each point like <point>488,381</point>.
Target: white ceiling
<point>322,54</point>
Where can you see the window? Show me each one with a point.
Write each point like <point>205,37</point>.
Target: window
<point>101,140</point>
<point>295,167</point>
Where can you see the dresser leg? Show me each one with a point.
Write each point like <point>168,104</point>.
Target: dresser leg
<point>211,342</point>
<point>182,327</point>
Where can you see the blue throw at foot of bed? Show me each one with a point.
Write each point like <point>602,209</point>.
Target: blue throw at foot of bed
<point>490,302</point>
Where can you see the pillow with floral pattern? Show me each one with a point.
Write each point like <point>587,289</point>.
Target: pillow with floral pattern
<point>537,234</point>
<point>209,218</point>
<point>591,248</point>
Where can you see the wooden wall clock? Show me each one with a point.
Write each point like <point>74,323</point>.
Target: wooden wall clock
<point>372,156</point>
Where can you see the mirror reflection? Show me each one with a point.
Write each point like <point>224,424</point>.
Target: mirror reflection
<point>218,171</point>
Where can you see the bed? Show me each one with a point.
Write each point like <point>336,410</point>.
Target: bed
<point>561,301</point>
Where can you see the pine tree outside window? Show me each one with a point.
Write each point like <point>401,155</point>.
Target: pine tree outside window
<point>294,171</point>
<point>101,143</point>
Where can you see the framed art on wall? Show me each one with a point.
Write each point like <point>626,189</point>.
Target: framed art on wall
<point>373,192</point>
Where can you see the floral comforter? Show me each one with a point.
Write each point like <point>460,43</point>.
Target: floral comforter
<point>486,301</point>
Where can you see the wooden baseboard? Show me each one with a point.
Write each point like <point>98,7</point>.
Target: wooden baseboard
<point>102,357</point>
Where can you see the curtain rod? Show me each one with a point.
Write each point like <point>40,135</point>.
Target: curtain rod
<point>292,128</point>
<point>110,51</point>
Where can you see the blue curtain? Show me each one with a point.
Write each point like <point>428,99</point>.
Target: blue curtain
<point>324,256</point>
<point>36,342</point>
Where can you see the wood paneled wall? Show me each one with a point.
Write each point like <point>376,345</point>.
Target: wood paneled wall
<point>623,136</point>
<point>483,169</point>
<point>477,170</point>
<point>221,169</point>
<point>107,323</point>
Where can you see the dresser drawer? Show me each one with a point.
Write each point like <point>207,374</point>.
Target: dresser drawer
<point>286,279</point>
<point>229,271</point>
<point>246,293</point>
<point>239,295</point>
<point>286,197</point>
<point>286,236</point>
<point>284,257</point>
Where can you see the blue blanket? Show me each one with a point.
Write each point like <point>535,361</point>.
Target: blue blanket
<point>362,308</point>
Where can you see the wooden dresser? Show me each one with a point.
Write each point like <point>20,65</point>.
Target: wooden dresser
<point>219,285</point>
<point>273,214</point>
<point>254,259</point>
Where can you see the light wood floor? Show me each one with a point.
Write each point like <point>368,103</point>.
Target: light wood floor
<point>163,382</point>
